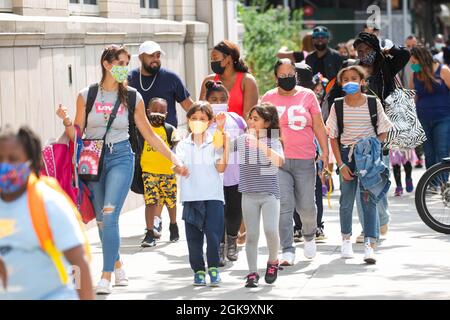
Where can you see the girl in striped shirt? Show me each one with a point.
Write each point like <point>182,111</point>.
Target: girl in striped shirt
<point>260,156</point>
<point>357,125</point>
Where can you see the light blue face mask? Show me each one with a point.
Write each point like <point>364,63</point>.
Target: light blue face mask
<point>351,87</point>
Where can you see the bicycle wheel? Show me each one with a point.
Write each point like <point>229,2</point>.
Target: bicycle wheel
<point>433,197</point>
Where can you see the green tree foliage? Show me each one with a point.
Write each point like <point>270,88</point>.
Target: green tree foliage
<point>267,29</point>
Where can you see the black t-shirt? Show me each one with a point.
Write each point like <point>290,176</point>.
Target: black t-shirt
<point>167,85</point>
<point>321,66</point>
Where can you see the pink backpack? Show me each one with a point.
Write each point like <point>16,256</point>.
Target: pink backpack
<point>60,162</point>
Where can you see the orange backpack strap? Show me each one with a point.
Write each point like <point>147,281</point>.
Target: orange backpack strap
<point>330,85</point>
<point>41,225</point>
<point>53,183</point>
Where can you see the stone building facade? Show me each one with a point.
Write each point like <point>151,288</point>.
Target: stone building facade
<point>50,49</point>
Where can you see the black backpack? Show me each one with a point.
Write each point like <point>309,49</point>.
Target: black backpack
<point>339,108</point>
<point>136,139</point>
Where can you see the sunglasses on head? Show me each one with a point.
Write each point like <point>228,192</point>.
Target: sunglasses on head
<point>320,35</point>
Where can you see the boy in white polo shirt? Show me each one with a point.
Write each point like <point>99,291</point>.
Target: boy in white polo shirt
<point>202,192</point>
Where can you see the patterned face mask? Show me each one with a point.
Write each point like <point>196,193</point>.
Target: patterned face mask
<point>13,176</point>
<point>369,58</point>
<point>119,73</point>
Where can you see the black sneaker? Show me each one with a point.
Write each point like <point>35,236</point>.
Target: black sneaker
<point>298,237</point>
<point>174,235</point>
<point>149,240</point>
<point>320,236</point>
<point>252,280</point>
<point>271,272</point>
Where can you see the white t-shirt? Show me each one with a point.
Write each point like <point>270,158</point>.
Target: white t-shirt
<point>31,272</point>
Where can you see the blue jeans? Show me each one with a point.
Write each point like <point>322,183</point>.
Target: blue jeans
<point>347,200</point>
<point>109,194</point>
<point>382,206</point>
<point>213,229</point>
<point>437,145</point>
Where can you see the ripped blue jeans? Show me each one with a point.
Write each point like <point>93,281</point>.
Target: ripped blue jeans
<point>109,194</point>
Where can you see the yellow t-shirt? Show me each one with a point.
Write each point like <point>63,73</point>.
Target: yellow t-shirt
<point>153,161</point>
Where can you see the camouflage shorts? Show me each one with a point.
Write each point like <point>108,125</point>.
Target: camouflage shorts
<point>160,189</point>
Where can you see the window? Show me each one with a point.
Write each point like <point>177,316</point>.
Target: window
<point>150,8</point>
<point>5,5</point>
<point>84,7</point>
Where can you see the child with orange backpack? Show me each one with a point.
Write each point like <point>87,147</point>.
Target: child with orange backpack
<point>40,228</point>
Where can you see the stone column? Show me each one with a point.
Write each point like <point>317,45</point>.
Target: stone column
<point>220,16</point>
<point>167,9</point>
<point>196,56</point>
<point>185,10</point>
<point>119,9</point>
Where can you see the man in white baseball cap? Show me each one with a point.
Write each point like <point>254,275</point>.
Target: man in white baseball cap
<point>150,47</point>
<point>152,81</point>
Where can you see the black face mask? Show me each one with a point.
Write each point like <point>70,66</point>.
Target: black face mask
<point>217,68</point>
<point>320,46</point>
<point>287,84</point>
<point>152,70</point>
<point>157,120</point>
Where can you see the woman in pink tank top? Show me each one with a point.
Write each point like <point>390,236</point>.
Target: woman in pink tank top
<point>231,70</point>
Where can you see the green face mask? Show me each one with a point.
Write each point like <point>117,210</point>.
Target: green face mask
<point>416,67</point>
<point>119,73</point>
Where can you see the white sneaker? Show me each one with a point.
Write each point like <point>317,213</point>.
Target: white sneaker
<point>121,279</point>
<point>369,255</point>
<point>310,248</point>
<point>287,259</point>
<point>157,227</point>
<point>346,249</point>
<point>360,238</point>
<point>103,287</point>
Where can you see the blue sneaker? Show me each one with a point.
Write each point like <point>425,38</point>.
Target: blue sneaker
<point>214,276</point>
<point>200,278</point>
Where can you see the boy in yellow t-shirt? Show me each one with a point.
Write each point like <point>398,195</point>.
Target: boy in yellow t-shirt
<point>160,185</point>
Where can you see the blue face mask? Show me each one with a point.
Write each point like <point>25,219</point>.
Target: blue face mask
<point>13,176</point>
<point>351,87</point>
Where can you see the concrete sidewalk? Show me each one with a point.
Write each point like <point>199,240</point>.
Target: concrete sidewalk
<point>413,263</point>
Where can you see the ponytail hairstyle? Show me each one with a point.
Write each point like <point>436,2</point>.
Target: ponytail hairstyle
<point>269,113</point>
<point>212,86</point>
<point>30,142</point>
<point>229,48</point>
<point>111,53</point>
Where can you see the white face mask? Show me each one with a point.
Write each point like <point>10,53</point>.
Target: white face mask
<point>219,107</point>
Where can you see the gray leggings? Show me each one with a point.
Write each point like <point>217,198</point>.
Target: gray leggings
<point>253,206</point>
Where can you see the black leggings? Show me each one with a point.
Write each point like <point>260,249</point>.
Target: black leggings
<point>397,173</point>
<point>319,206</point>
<point>233,211</point>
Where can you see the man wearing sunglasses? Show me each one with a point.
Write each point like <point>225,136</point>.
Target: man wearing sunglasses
<point>325,60</point>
